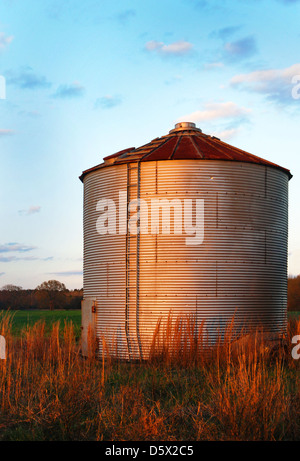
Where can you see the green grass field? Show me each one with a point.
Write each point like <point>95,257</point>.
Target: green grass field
<point>22,318</point>
<point>294,314</point>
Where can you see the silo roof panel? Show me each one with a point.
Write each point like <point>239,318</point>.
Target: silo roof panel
<point>184,142</point>
<point>163,151</point>
<point>186,148</point>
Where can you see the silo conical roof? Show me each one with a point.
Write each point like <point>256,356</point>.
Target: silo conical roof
<point>184,142</point>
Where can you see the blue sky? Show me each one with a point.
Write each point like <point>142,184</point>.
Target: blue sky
<point>86,79</point>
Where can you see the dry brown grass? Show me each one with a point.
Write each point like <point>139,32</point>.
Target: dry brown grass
<point>49,392</point>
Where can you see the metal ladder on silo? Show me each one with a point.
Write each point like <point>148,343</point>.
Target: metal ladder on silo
<point>132,261</point>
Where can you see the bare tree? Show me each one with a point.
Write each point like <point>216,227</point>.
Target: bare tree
<point>52,285</point>
<point>10,287</point>
<point>52,292</point>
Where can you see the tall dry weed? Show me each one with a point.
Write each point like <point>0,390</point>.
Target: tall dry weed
<point>48,391</point>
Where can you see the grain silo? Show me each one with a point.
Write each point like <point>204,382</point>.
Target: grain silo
<point>185,224</point>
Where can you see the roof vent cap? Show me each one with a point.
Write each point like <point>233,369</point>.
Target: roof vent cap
<point>183,126</point>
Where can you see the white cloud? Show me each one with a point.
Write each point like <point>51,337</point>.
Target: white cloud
<point>12,258</point>
<point>26,78</point>
<point>30,113</point>
<point>124,16</point>
<point>225,135</point>
<point>225,32</point>
<point>259,79</point>
<point>14,246</point>
<point>108,101</point>
<point>213,65</point>
<point>14,251</point>
<point>4,40</point>
<point>31,210</point>
<point>66,273</point>
<point>276,84</point>
<point>240,49</point>
<point>5,132</point>
<point>215,111</point>
<point>74,90</point>
<point>173,80</point>
<point>179,48</point>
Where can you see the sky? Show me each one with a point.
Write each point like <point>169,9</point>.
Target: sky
<point>82,80</point>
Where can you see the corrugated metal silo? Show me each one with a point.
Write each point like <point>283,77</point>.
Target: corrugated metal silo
<point>227,258</point>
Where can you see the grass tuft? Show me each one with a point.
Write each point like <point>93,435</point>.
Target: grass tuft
<point>241,390</point>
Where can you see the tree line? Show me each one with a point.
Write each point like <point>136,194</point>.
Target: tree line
<point>51,294</point>
<point>54,295</point>
<point>294,293</point>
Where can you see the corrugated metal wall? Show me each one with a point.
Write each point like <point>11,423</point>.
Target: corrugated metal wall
<point>240,268</point>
